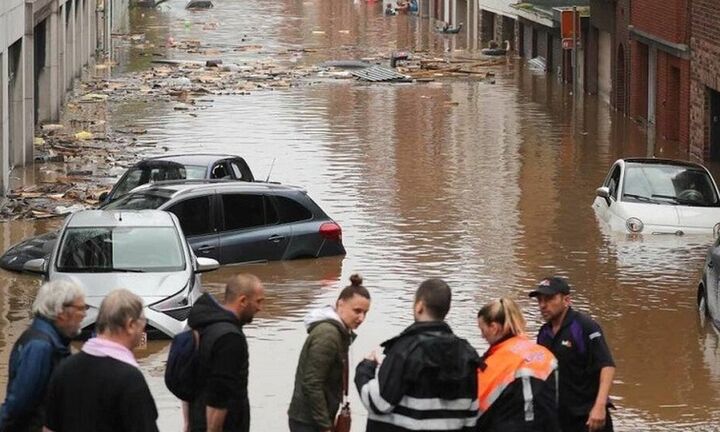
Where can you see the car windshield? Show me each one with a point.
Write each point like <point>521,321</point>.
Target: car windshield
<point>158,172</point>
<point>120,249</point>
<point>668,184</point>
<point>136,201</point>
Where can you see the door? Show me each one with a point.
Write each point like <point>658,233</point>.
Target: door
<point>612,182</point>
<point>714,125</point>
<point>604,65</point>
<point>250,230</point>
<point>198,224</point>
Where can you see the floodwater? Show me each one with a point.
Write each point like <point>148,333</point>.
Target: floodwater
<point>487,186</point>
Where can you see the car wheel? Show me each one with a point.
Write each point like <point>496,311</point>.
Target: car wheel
<point>702,304</point>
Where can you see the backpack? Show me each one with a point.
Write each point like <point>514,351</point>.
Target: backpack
<point>182,371</point>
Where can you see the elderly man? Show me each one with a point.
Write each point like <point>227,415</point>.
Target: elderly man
<point>101,388</point>
<point>58,310</point>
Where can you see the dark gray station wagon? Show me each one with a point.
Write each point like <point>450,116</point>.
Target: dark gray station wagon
<point>238,222</point>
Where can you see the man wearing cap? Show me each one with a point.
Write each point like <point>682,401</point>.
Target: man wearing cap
<point>585,364</point>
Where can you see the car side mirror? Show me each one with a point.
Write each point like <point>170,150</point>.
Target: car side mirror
<point>206,265</point>
<point>36,265</point>
<point>103,196</point>
<point>603,192</point>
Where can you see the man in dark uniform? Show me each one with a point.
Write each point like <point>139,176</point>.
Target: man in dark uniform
<point>585,364</point>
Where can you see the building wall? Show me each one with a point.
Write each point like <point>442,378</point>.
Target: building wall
<point>666,19</point>
<point>705,62</point>
<point>673,98</point>
<point>44,45</point>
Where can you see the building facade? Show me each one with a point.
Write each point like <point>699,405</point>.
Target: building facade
<point>705,80</point>
<point>608,63</point>
<point>44,45</point>
<point>660,64</point>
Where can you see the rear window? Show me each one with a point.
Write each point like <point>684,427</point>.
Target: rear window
<point>136,201</point>
<point>291,210</point>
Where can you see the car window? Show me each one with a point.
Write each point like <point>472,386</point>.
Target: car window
<point>241,211</point>
<point>129,182</point>
<point>108,249</point>
<point>194,215</point>
<point>136,201</point>
<point>291,210</point>
<point>614,182</point>
<point>194,172</point>
<point>220,171</point>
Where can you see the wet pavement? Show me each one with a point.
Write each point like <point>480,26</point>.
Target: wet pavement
<point>486,185</point>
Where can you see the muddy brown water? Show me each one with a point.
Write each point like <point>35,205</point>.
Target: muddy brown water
<point>488,186</point>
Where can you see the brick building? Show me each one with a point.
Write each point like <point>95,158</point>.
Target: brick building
<point>608,71</point>
<point>660,62</point>
<point>705,80</point>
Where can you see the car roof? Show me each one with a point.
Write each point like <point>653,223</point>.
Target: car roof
<point>659,161</point>
<point>191,159</point>
<point>120,218</point>
<point>177,187</point>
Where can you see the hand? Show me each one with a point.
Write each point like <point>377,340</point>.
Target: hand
<point>373,356</point>
<point>596,419</point>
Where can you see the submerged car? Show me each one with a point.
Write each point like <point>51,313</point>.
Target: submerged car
<point>180,167</point>
<point>659,196</point>
<point>708,293</point>
<point>239,222</point>
<point>142,251</point>
<point>232,222</point>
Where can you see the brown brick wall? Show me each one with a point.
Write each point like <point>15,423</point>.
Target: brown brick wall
<point>621,75</point>
<point>705,60</point>
<point>666,19</point>
<point>673,98</point>
<point>639,80</point>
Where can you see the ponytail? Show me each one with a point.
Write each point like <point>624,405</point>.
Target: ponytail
<point>506,313</point>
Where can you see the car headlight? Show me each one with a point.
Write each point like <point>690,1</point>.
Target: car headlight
<point>716,230</point>
<point>634,225</point>
<point>179,300</point>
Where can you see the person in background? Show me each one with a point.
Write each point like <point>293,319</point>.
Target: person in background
<point>585,363</point>
<point>323,363</point>
<point>58,311</point>
<point>517,377</point>
<point>389,11</point>
<point>101,388</point>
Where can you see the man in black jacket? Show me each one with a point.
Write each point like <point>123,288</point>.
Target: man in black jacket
<point>222,403</point>
<point>428,378</point>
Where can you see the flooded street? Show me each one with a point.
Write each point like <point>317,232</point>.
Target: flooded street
<point>488,186</point>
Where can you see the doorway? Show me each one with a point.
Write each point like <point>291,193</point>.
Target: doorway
<point>714,126</point>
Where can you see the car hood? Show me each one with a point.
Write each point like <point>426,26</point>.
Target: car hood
<point>673,216</point>
<point>152,287</point>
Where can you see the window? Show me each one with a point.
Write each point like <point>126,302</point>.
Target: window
<point>242,211</point>
<point>219,171</point>
<point>236,170</point>
<point>291,210</point>
<point>614,182</point>
<point>194,216</point>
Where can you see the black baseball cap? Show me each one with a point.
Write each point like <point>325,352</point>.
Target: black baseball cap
<point>551,286</point>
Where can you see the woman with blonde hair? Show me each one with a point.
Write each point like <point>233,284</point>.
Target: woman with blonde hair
<point>517,379</point>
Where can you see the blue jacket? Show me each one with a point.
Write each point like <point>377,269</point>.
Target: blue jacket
<point>32,360</point>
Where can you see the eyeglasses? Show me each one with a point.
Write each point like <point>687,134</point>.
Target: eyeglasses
<point>82,307</point>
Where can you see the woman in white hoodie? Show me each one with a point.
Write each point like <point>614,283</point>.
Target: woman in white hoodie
<point>323,360</point>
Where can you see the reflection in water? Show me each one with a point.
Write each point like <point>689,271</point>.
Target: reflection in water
<point>488,186</point>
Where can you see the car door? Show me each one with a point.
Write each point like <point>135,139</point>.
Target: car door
<point>603,206</point>
<point>250,229</point>
<point>711,281</point>
<point>198,222</point>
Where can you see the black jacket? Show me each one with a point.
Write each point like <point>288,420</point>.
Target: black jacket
<point>223,366</point>
<point>427,381</point>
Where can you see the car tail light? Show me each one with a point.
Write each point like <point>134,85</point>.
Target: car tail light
<point>331,231</point>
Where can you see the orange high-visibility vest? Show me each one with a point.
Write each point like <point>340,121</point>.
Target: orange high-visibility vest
<point>514,358</point>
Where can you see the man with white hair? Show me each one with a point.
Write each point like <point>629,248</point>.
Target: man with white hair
<point>58,310</point>
<point>101,388</point>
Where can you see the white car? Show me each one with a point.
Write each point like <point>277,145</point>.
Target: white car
<point>659,196</point>
<point>144,251</point>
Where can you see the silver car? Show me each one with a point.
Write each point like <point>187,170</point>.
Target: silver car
<point>144,251</point>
